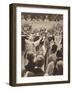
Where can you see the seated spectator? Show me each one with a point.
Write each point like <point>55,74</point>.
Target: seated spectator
<point>38,66</point>
<point>58,69</point>
<point>35,68</point>
<point>30,66</point>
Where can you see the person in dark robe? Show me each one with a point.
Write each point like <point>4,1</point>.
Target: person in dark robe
<point>38,71</point>
<point>52,60</point>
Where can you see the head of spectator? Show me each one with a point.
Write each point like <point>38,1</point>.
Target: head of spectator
<point>30,56</point>
<point>54,48</point>
<point>39,61</point>
<point>59,54</point>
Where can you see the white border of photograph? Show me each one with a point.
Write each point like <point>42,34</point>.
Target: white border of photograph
<point>63,77</point>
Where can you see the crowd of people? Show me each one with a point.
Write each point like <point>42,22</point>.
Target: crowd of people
<point>42,48</point>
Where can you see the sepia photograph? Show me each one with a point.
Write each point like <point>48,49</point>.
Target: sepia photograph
<point>41,44</point>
